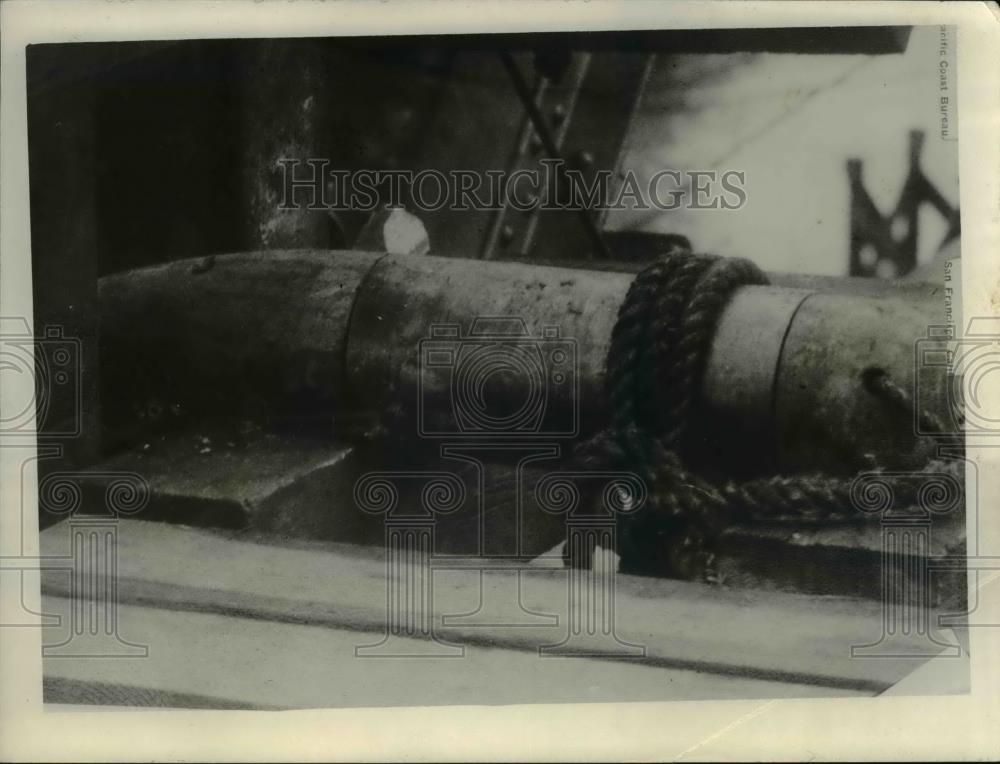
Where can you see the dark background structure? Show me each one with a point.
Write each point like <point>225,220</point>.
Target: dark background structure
<point>147,152</point>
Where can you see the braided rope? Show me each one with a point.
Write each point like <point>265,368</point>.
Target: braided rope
<point>654,369</point>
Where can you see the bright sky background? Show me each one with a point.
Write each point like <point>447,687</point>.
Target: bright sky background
<point>791,122</point>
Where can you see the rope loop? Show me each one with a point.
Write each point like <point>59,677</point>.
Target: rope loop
<point>653,375</point>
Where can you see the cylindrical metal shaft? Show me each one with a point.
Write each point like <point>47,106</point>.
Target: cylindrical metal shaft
<point>467,348</point>
<point>788,370</point>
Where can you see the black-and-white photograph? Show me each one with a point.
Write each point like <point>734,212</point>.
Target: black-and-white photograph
<point>499,368</point>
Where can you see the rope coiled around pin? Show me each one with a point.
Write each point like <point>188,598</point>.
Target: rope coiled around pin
<point>654,370</point>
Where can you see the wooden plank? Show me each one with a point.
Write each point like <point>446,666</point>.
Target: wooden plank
<point>766,636</point>
<point>213,661</point>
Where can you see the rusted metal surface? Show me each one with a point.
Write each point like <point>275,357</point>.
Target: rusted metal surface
<point>787,369</point>
<point>634,250</point>
<point>403,299</point>
<point>740,385</point>
<point>235,335</point>
<point>305,331</point>
<point>822,412</point>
